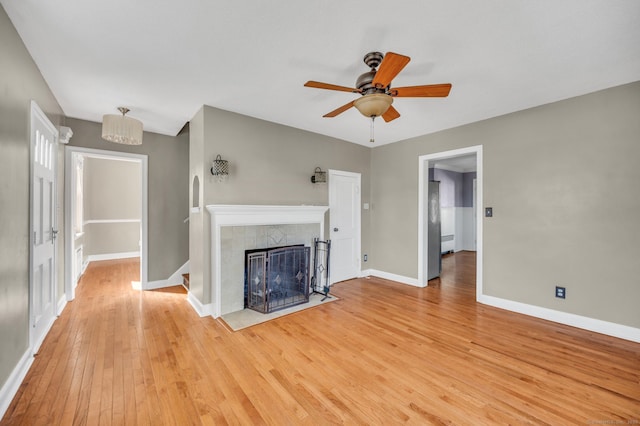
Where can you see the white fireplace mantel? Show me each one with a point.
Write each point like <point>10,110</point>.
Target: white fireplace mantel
<point>239,215</point>
<point>252,215</point>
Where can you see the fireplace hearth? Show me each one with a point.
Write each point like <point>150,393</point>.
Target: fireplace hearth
<point>276,278</point>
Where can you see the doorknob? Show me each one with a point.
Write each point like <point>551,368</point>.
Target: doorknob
<point>335,229</point>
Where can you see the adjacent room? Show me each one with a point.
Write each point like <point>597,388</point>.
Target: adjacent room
<point>296,213</point>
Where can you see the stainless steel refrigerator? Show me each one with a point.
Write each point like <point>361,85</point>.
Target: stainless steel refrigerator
<point>434,261</point>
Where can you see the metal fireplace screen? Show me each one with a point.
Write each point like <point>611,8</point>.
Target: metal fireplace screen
<point>277,278</point>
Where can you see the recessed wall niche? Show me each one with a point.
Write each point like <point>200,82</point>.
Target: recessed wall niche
<point>196,192</point>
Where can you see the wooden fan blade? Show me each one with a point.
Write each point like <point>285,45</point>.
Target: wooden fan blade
<point>319,85</point>
<point>428,91</point>
<point>390,114</point>
<point>340,110</point>
<point>391,65</point>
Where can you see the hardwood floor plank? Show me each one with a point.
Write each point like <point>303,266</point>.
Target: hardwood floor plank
<point>384,353</point>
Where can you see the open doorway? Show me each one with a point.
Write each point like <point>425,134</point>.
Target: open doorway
<point>106,205</point>
<point>460,219</point>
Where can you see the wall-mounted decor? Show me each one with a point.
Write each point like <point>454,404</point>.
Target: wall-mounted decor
<point>319,176</point>
<point>220,169</point>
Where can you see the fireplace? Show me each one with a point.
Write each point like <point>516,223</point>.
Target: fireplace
<point>276,278</point>
<point>237,228</point>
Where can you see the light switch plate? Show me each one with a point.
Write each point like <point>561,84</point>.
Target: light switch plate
<point>488,212</point>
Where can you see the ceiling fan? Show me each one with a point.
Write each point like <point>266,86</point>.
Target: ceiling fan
<point>376,91</point>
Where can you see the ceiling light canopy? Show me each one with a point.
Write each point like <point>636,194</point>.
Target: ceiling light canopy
<point>121,129</point>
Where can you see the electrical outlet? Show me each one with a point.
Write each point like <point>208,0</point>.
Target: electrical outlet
<point>365,257</point>
<point>561,292</point>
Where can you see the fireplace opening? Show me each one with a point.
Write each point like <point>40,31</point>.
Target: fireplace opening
<point>276,278</point>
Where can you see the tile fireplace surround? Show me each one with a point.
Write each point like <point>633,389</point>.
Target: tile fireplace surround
<point>236,228</point>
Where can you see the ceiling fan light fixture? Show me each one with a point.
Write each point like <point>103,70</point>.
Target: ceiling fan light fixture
<point>121,129</point>
<point>373,105</point>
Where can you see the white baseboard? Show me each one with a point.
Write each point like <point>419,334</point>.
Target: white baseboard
<point>62,302</point>
<point>11,386</point>
<point>153,285</point>
<point>112,256</point>
<point>201,310</point>
<point>391,277</point>
<point>173,280</point>
<point>176,278</point>
<point>586,323</point>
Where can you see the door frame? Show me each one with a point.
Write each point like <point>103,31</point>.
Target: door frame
<point>423,167</point>
<point>357,213</point>
<point>71,154</point>
<point>36,111</point>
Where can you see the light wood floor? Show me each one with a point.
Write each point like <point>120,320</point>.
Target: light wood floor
<point>384,354</point>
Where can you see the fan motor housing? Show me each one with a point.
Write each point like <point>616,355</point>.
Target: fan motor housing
<point>373,59</point>
<point>363,83</point>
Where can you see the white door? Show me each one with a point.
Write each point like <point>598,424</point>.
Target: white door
<point>344,225</point>
<point>43,233</point>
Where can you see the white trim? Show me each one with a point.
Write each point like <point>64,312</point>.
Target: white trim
<point>599,326</point>
<point>250,215</point>
<point>177,275</point>
<point>586,323</point>
<point>70,281</point>
<point>423,170</point>
<point>392,277</point>
<point>247,215</point>
<point>89,222</point>
<point>174,280</point>
<point>11,386</point>
<point>152,285</point>
<point>112,256</point>
<point>62,302</point>
<point>201,310</point>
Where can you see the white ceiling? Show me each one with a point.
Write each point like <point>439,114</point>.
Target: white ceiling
<point>164,59</point>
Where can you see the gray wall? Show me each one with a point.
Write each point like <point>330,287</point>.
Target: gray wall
<point>111,189</point>
<point>563,181</point>
<point>168,161</point>
<point>111,193</point>
<point>269,164</point>
<point>20,82</point>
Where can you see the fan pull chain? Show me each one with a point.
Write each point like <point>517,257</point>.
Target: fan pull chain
<point>372,138</point>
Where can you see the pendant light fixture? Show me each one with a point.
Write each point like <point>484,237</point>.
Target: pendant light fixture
<point>121,129</point>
